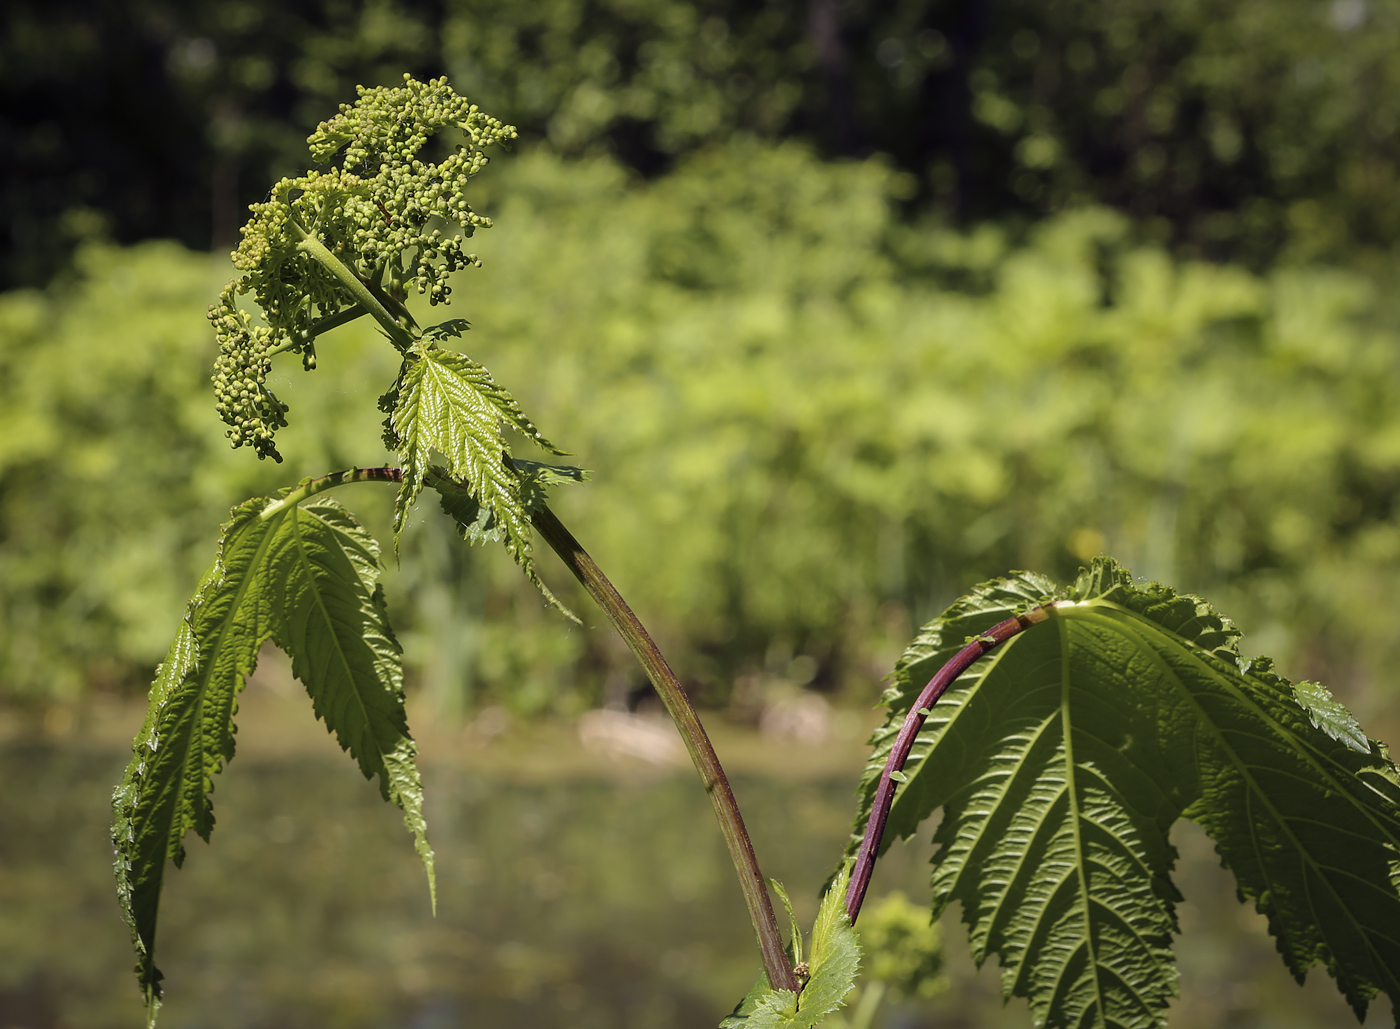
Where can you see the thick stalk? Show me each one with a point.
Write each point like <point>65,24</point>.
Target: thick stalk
<point>899,753</point>
<point>702,753</point>
<point>316,250</point>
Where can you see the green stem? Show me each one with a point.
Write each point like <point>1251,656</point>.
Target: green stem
<point>308,488</point>
<point>391,303</point>
<point>335,321</point>
<point>313,248</point>
<point>702,753</point>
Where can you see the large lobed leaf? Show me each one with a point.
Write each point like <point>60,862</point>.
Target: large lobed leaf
<point>1063,758</point>
<point>305,575</point>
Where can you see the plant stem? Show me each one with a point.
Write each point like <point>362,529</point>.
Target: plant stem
<point>702,753</point>
<point>398,334</point>
<point>309,488</point>
<point>335,321</point>
<point>899,753</point>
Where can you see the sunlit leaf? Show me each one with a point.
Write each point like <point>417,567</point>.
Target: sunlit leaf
<point>305,575</point>
<point>832,968</point>
<point>1062,759</point>
<point>449,405</point>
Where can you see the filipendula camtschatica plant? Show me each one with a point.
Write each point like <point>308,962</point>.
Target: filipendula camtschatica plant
<point>378,221</point>
<point>1062,730</point>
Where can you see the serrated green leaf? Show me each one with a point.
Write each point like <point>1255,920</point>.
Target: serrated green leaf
<point>477,523</point>
<point>832,970</point>
<point>452,327</point>
<point>331,618</point>
<point>1063,758</point>
<point>1330,716</point>
<point>305,575</point>
<point>448,404</point>
<point>550,474</point>
<point>835,956</point>
<point>794,929</point>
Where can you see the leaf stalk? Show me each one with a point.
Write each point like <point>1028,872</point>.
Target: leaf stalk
<point>904,742</point>
<point>310,487</point>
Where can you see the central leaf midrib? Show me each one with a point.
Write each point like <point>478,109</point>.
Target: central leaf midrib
<point>339,650</point>
<point>1068,729</point>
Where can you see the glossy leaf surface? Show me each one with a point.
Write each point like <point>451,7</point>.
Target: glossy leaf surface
<point>449,405</point>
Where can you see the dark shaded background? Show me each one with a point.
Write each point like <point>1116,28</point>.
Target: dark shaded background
<point>1250,131</point>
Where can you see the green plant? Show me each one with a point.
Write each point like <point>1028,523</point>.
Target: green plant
<point>1109,710</point>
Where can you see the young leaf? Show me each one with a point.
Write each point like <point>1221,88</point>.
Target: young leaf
<point>450,405</point>
<point>1063,758</point>
<point>305,575</point>
<point>832,973</point>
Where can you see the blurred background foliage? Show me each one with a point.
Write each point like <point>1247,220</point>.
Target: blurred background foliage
<point>1256,131</point>
<point>812,423</point>
<point>848,305</point>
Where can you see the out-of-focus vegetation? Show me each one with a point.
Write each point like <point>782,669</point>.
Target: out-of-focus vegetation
<point>598,901</point>
<point>812,423</point>
<point>1255,130</point>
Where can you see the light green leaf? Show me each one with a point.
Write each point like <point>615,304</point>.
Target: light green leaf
<point>1063,758</point>
<point>794,929</point>
<point>1330,716</point>
<point>449,405</point>
<point>305,575</point>
<point>831,973</point>
<point>477,523</point>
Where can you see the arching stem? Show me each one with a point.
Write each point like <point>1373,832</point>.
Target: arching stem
<point>908,732</point>
<point>697,742</point>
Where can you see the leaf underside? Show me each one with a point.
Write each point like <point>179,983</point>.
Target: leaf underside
<point>307,577</point>
<point>835,960</point>
<point>449,405</point>
<point>1063,758</point>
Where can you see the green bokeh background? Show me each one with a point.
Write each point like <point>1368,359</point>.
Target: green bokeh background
<point>847,307</point>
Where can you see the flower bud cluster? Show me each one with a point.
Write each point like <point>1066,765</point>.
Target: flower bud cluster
<point>380,208</point>
<point>397,196</point>
<point>241,396</point>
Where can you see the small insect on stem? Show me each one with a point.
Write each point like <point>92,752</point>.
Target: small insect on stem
<point>387,219</point>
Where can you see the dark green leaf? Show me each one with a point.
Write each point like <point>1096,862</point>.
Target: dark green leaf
<point>305,575</point>
<point>1063,758</point>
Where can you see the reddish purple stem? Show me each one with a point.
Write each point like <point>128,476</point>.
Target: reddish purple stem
<point>913,722</point>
